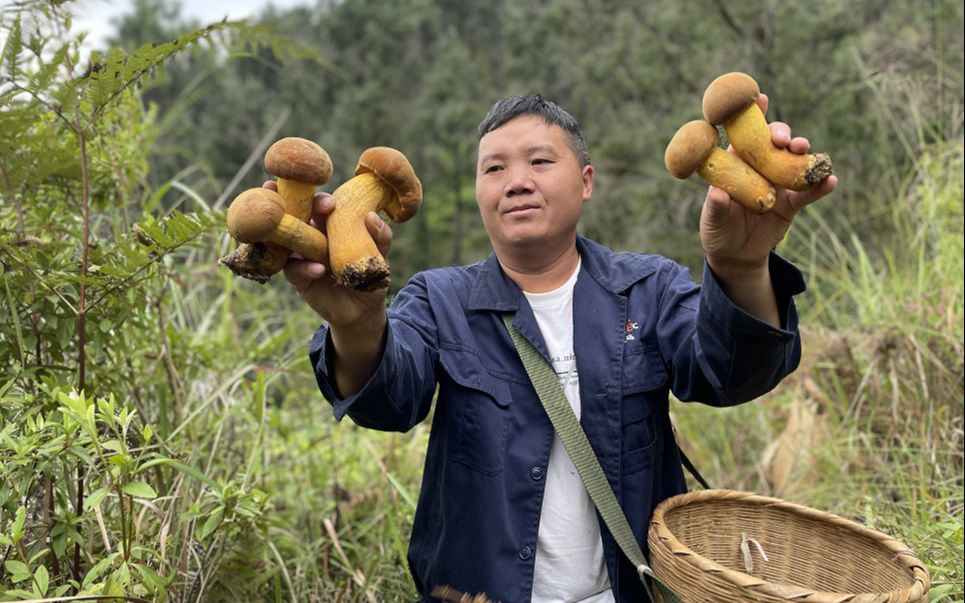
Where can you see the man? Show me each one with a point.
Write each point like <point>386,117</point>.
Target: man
<point>502,510</point>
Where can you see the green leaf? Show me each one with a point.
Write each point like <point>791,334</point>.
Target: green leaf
<point>211,524</point>
<point>99,568</point>
<point>19,592</point>
<point>18,523</point>
<point>942,590</point>
<point>113,445</point>
<point>140,490</point>
<point>94,498</point>
<point>18,570</point>
<point>12,49</point>
<point>42,579</point>
<point>151,579</point>
<point>191,471</point>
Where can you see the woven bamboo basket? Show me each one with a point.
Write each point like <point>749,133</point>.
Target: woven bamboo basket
<point>721,546</point>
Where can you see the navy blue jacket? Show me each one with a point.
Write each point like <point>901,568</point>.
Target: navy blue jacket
<point>642,329</point>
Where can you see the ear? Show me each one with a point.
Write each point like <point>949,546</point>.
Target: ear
<point>588,175</point>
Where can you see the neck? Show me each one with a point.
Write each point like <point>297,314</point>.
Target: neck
<point>540,272</point>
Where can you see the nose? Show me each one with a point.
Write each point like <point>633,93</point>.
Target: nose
<point>519,182</point>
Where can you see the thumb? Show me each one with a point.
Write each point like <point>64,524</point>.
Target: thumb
<point>716,205</point>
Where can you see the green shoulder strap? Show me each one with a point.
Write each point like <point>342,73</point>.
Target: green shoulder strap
<point>587,465</point>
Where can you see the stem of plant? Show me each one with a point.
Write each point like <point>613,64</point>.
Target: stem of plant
<point>82,319</point>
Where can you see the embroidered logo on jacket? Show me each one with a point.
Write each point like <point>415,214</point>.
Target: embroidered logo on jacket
<point>631,327</point>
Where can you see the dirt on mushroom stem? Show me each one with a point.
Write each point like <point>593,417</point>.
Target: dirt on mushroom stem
<point>368,274</point>
<point>256,261</point>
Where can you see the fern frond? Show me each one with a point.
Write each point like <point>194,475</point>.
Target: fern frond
<point>107,77</point>
<point>152,240</point>
<point>12,49</point>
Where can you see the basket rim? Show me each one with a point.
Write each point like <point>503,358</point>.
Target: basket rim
<point>660,535</point>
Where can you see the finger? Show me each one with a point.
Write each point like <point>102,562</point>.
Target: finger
<point>799,201</point>
<point>717,197</point>
<point>799,145</point>
<point>780,134</point>
<point>323,203</point>
<point>302,273</point>
<point>380,231</point>
<point>270,185</point>
<point>762,102</point>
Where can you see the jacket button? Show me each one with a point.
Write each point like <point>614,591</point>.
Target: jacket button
<point>536,473</point>
<point>525,553</point>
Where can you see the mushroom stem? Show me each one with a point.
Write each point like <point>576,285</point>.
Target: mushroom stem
<point>354,258</point>
<point>694,147</point>
<point>727,171</point>
<point>731,101</point>
<point>749,133</point>
<point>298,197</point>
<point>258,215</point>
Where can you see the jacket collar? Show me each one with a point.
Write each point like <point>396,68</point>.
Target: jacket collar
<point>493,290</point>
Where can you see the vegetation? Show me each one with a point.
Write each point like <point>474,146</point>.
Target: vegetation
<point>161,436</point>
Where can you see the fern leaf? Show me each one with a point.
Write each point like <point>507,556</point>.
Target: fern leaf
<point>12,49</point>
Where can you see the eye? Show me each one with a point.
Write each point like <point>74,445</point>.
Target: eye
<point>542,161</point>
<point>492,168</point>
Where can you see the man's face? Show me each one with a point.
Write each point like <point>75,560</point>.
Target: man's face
<point>530,185</point>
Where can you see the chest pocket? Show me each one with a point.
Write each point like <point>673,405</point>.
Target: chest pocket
<point>645,393</point>
<point>477,408</point>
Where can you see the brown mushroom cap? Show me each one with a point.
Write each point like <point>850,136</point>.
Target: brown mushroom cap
<point>727,95</point>
<point>690,147</point>
<point>395,170</point>
<point>298,159</point>
<point>255,214</point>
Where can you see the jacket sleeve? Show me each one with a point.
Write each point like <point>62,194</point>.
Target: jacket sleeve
<point>720,354</point>
<point>399,393</point>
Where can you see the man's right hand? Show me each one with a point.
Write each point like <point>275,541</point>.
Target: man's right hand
<point>339,306</point>
<point>356,319</point>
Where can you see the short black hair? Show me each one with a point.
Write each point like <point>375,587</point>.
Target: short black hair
<point>534,104</point>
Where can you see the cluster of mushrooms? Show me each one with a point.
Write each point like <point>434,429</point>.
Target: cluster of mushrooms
<point>271,225</point>
<point>749,174</point>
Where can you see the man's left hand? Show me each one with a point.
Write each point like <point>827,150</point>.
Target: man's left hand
<point>737,241</point>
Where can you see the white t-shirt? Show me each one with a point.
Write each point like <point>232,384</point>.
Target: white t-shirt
<point>569,550</point>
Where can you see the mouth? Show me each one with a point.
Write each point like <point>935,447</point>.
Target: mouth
<point>522,209</point>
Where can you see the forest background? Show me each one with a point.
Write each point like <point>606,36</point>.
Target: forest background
<point>161,435</point>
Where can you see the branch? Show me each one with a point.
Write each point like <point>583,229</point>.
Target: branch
<point>728,19</point>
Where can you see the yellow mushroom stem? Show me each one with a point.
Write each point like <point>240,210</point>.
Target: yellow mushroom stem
<point>300,238</point>
<point>729,172</point>
<point>354,257</point>
<point>258,216</point>
<point>298,197</point>
<point>750,135</point>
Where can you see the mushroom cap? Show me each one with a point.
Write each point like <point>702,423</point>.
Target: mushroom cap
<point>395,170</point>
<point>727,95</point>
<point>690,147</point>
<point>298,159</point>
<point>255,214</point>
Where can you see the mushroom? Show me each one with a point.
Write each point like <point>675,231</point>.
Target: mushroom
<point>731,100</point>
<point>300,166</point>
<point>694,148</point>
<point>384,182</point>
<point>258,216</point>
